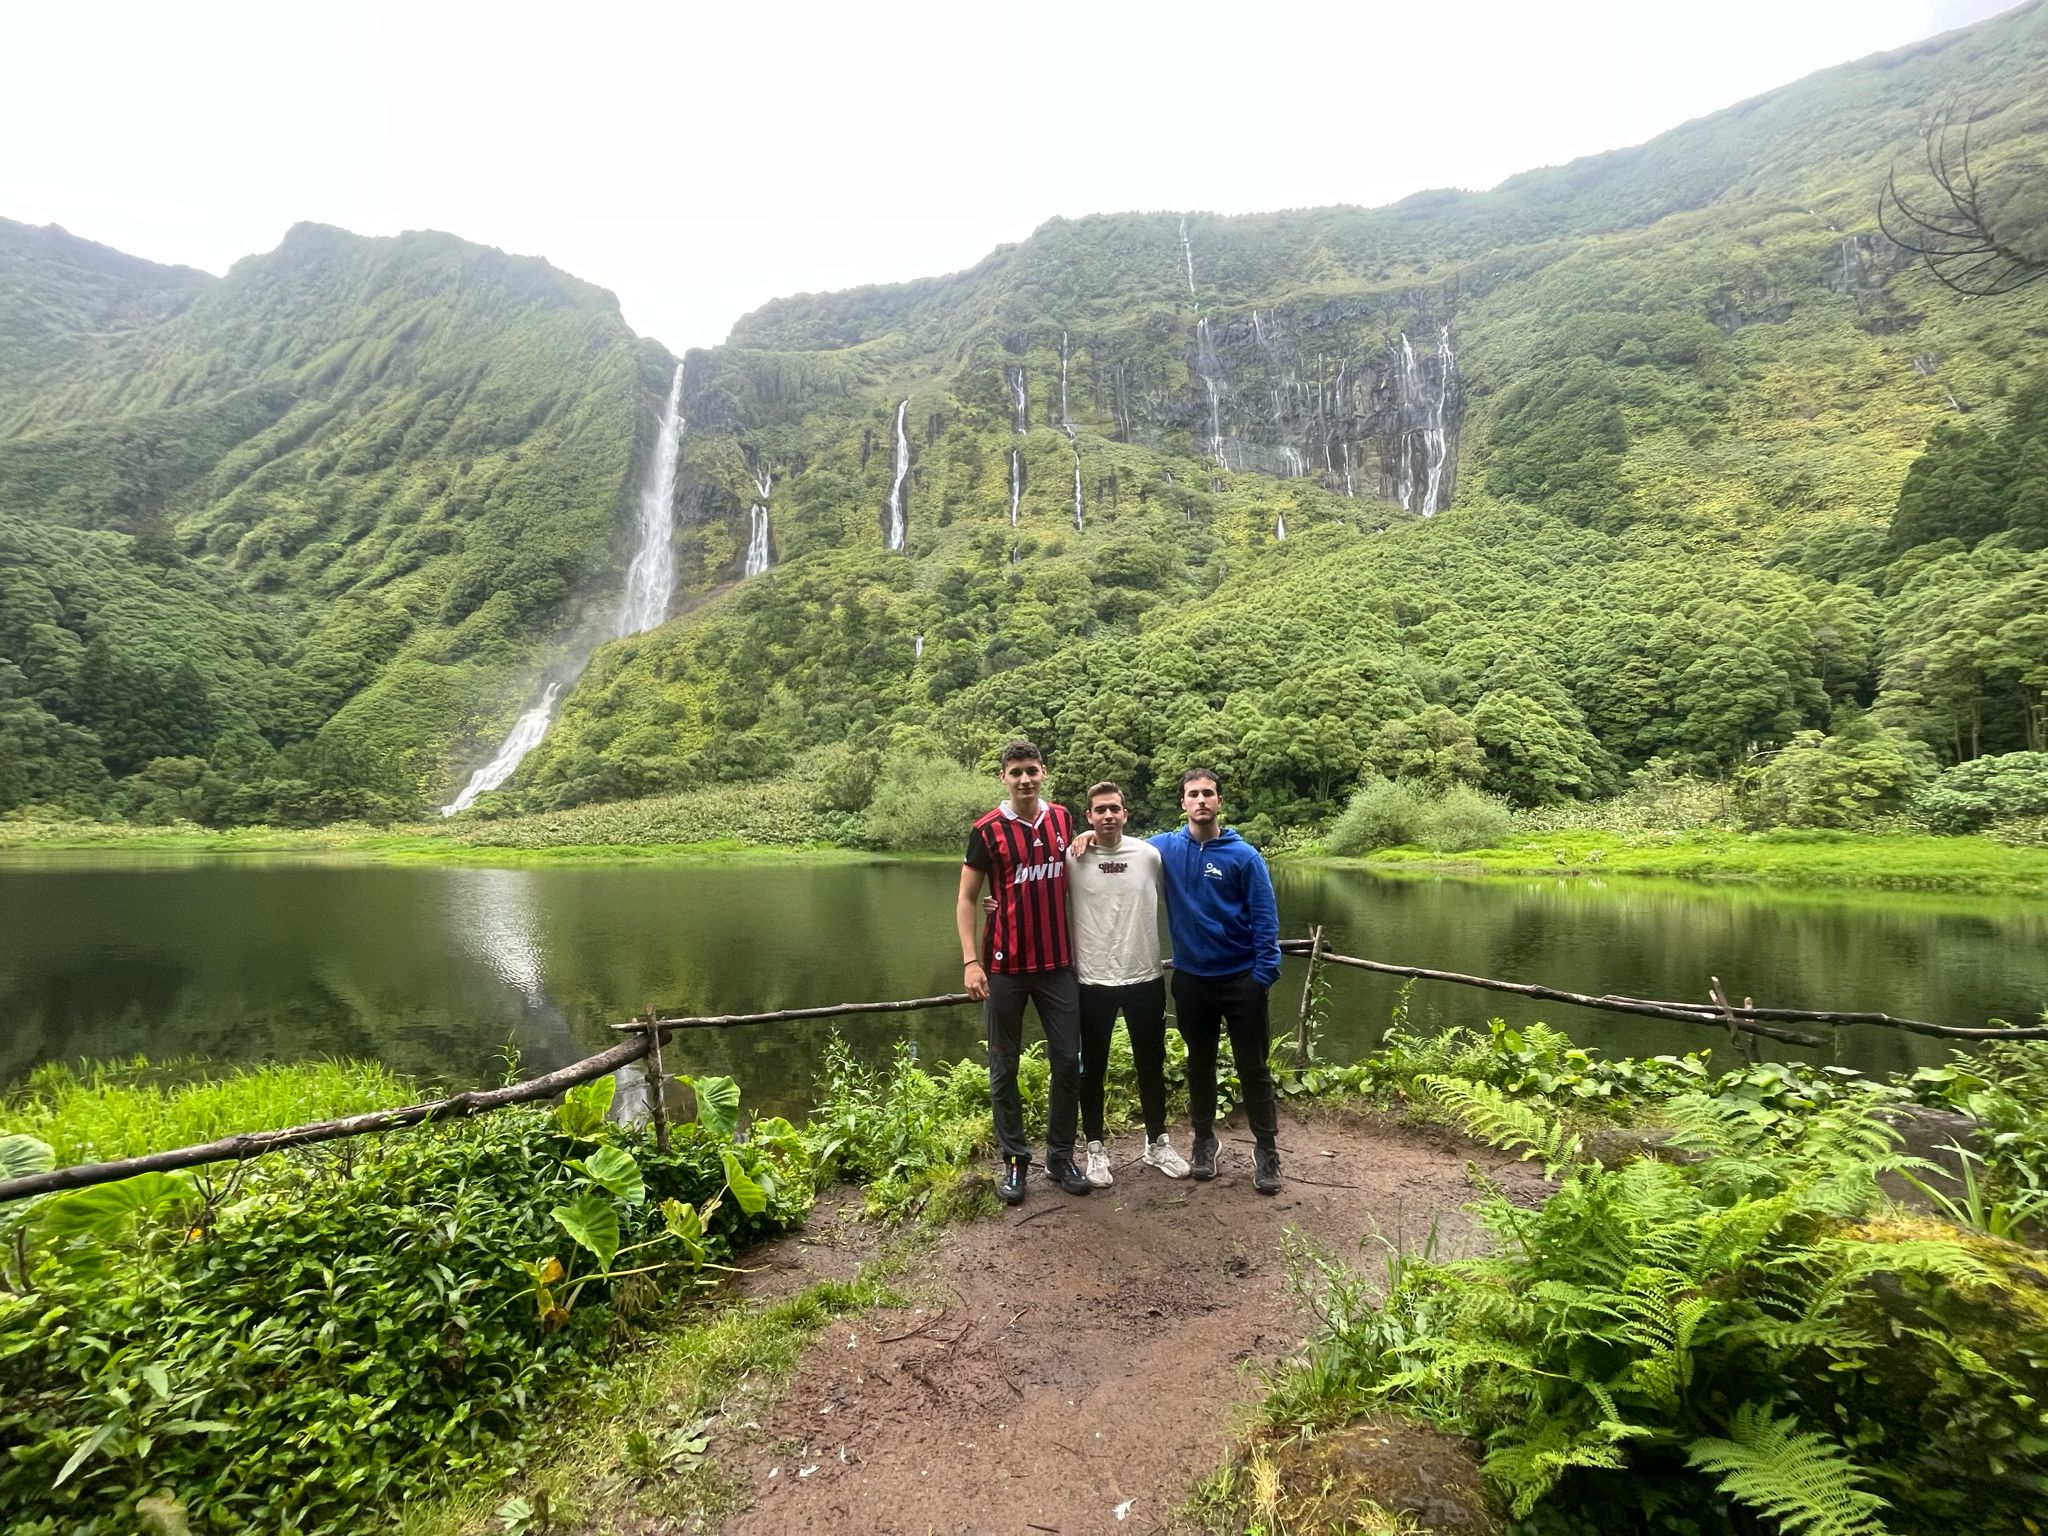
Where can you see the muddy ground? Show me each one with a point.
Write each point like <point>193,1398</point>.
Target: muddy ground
<point>1078,1362</point>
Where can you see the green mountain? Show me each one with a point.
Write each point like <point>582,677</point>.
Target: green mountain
<point>1601,467</point>
<point>299,528</point>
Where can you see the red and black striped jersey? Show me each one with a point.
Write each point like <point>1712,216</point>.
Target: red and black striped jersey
<point>1026,865</point>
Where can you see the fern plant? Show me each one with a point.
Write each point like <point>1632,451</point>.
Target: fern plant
<point>1659,1337</point>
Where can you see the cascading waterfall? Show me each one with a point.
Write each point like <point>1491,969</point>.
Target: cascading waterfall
<point>1280,525</point>
<point>758,556</point>
<point>1349,489</point>
<point>1187,255</point>
<point>1435,440</point>
<point>1065,425</point>
<point>1410,389</point>
<point>650,582</point>
<point>1016,484</point>
<point>1291,465</point>
<point>1020,399</point>
<point>1077,484</point>
<point>1205,365</point>
<point>896,517</point>
<point>917,649</point>
<point>526,735</point>
<point>651,579</point>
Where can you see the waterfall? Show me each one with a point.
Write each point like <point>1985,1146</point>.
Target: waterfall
<point>1258,331</point>
<point>917,649</point>
<point>896,515</point>
<point>1077,482</point>
<point>1016,483</point>
<point>1280,526</point>
<point>1349,489</point>
<point>1020,400</point>
<point>1410,388</point>
<point>651,578</point>
<point>1188,255</point>
<point>1065,424</point>
<point>1291,465</point>
<point>650,582</point>
<point>758,556</point>
<point>525,737</point>
<point>1435,439</point>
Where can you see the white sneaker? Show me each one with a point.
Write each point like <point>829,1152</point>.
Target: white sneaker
<point>1098,1166</point>
<point>1160,1155</point>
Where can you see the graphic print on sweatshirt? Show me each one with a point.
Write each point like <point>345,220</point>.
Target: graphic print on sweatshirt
<point>1026,865</point>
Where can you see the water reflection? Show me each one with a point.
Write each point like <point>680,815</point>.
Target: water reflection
<point>432,970</point>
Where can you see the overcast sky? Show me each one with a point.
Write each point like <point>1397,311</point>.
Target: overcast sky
<point>700,160</point>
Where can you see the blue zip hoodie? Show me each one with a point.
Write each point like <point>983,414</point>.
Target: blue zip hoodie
<point>1219,906</point>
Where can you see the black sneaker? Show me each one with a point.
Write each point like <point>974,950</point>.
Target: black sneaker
<point>1266,1170</point>
<point>1061,1171</point>
<point>1011,1185</point>
<point>1202,1158</point>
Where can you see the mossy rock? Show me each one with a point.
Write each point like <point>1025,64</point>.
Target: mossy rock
<point>1381,1475</point>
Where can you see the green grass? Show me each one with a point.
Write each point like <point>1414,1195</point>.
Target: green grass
<point>1885,861</point>
<point>118,1109</point>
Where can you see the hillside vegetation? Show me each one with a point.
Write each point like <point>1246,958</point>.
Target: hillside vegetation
<point>300,543</point>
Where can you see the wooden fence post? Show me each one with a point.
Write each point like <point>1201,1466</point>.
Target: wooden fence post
<point>1308,989</point>
<point>657,1089</point>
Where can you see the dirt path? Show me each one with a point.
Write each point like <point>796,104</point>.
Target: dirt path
<point>1078,1372</point>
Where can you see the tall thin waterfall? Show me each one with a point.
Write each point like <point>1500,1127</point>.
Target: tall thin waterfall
<point>650,582</point>
<point>1280,525</point>
<point>1065,425</point>
<point>897,522</point>
<point>525,737</point>
<point>758,556</point>
<point>1205,365</point>
<point>1435,440</point>
<point>1020,399</point>
<point>1187,253</point>
<point>1016,484</point>
<point>1077,484</point>
<point>651,579</point>
<point>1411,387</point>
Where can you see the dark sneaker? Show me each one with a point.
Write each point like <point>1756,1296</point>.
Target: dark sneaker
<point>1011,1185</point>
<point>1202,1157</point>
<point>1061,1171</point>
<point>1266,1170</point>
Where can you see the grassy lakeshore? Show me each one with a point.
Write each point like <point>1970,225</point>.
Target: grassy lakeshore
<point>1883,861</point>
<point>776,822</point>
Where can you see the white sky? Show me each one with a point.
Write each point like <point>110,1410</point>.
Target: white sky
<point>699,160</point>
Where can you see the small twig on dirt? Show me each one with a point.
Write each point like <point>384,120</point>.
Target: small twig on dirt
<point>1295,1178</point>
<point>1020,1312</point>
<point>1050,1210</point>
<point>1033,1524</point>
<point>930,1322</point>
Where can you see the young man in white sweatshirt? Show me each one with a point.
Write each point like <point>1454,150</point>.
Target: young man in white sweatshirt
<point>1114,884</point>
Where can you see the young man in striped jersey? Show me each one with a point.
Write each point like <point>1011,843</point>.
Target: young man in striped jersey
<point>1019,850</point>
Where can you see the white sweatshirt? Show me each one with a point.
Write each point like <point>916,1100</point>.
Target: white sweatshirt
<point>1114,898</point>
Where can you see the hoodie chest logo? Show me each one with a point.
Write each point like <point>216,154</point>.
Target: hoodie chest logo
<point>1210,871</point>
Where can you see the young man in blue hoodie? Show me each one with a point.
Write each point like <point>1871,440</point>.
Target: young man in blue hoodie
<point>1226,954</point>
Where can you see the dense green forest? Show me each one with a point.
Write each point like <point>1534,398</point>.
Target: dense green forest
<point>1722,482</point>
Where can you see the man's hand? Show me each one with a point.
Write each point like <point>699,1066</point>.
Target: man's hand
<point>977,981</point>
<point>1083,841</point>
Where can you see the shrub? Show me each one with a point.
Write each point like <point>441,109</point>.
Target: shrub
<point>1384,813</point>
<point>303,1342</point>
<point>1833,781</point>
<point>1463,819</point>
<point>925,804</point>
<point>1972,795</point>
<point>842,778</point>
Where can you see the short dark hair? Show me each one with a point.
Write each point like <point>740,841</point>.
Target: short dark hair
<point>1106,787</point>
<point>1201,773</point>
<point>1019,751</point>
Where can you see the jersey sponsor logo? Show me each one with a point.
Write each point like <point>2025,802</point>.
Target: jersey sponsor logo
<point>1026,873</point>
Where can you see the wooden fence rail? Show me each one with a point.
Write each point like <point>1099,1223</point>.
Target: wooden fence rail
<point>647,1032</point>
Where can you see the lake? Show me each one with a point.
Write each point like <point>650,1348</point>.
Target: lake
<point>434,970</point>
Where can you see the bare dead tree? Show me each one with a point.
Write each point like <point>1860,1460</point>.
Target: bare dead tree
<point>1945,224</point>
